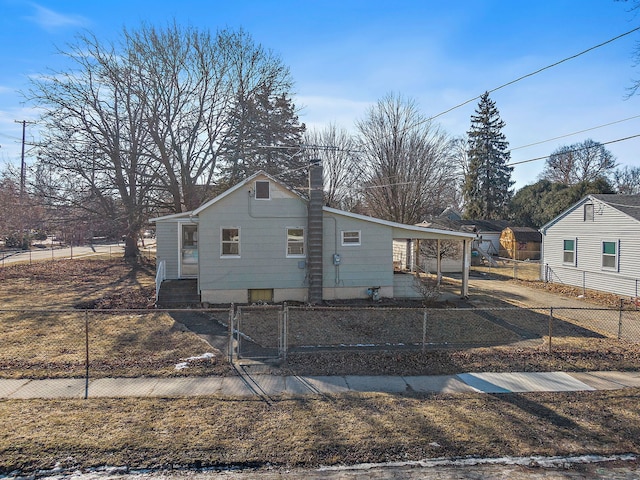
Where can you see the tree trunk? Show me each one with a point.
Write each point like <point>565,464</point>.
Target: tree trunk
<point>131,246</point>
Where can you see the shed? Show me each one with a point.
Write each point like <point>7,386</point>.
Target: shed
<point>520,243</point>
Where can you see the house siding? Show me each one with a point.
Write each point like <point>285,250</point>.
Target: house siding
<point>167,247</point>
<point>363,266</point>
<point>262,263</point>
<point>608,224</point>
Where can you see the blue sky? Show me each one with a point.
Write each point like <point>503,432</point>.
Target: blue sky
<point>346,55</point>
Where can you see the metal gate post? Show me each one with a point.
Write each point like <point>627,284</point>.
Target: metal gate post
<point>424,330</point>
<point>620,319</point>
<point>550,327</point>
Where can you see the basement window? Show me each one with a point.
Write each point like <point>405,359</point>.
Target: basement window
<point>263,190</point>
<point>295,242</point>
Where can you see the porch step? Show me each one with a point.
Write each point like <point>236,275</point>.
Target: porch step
<point>178,293</point>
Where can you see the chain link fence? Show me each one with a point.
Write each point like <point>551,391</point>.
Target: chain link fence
<point>95,344</point>
<point>509,268</point>
<point>275,331</point>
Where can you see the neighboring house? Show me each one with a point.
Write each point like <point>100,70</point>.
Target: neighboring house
<point>520,243</point>
<point>261,240</point>
<point>486,242</point>
<point>595,245</point>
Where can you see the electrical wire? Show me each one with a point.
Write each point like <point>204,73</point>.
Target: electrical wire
<point>574,133</point>
<point>572,151</point>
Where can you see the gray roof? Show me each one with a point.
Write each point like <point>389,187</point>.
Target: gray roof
<point>629,204</point>
<point>526,234</point>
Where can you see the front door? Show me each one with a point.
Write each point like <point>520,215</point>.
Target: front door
<point>189,251</point>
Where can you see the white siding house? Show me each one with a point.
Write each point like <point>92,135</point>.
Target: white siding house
<point>253,242</point>
<point>595,245</point>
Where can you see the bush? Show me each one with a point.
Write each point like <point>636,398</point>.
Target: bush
<point>13,240</point>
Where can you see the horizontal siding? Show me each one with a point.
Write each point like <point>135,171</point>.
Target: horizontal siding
<point>608,225</point>
<point>369,264</point>
<point>167,247</point>
<point>262,223</point>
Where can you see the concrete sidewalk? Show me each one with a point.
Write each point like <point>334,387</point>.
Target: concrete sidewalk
<point>271,385</point>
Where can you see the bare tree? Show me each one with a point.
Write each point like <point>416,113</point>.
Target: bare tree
<point>580,162</point>
<point>627,180</point>
<point>94,131</point>
<point>407,162</point>
<point>337,150</point>
<point>146,119</point>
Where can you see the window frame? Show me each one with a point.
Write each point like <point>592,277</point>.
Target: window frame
<point>614,255</point>
<point>589,212</point>
<point>290,241</point>
<point>351,244</point>
<point>573,261</point>
<point>224,242</point>
<point>262,182</point>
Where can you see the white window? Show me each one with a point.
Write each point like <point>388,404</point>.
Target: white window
<point>610,255</point>
<point>230,242</point>
<point>263,190</point>
<point>569,252</point>
<point>295,242</point>
<point>350,238</point>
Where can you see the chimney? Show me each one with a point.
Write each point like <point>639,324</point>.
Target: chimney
<point>314,227</point>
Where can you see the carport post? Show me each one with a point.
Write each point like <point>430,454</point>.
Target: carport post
<point>466,264</point>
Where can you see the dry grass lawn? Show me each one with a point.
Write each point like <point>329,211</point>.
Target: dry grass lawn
<point>312,431</point>
<point>43,335</point>
<point>286,432</point>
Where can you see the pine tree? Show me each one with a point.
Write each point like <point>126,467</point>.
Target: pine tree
<point>262,135</point>
<point>487,187</point>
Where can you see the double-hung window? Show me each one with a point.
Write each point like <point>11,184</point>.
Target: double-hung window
<point>230,242</point>
<point>610,255</point>
<point>295,242</point>
<point>569,252</point>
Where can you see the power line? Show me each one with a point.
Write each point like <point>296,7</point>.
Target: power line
<point>574,133</point>
<point>572,151</point>
<point>535,72</point>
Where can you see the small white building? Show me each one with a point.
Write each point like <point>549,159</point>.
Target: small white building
<point>595,245</point>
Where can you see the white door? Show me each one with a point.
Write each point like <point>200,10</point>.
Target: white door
<point>189,251</point>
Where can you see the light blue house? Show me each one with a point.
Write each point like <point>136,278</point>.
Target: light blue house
<point>594,245</point>
<point>263,241</point>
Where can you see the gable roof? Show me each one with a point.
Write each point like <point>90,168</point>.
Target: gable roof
<point>238,186</point>
<point>526,234</point>
<point>226,193</point>
<point>627,204</point>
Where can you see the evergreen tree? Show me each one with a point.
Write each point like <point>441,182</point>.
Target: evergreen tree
<point>263,134</point>
<point>487,187</point>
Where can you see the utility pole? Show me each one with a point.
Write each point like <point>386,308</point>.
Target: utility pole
<point>23,177</point>
<point>23,174</point>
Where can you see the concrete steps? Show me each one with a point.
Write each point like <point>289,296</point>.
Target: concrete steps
<point>178,293</point>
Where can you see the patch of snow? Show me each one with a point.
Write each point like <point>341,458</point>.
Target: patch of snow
<point>185,363</point>
<point>545,462</point>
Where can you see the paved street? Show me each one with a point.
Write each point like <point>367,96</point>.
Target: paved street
<point>114,250</point>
